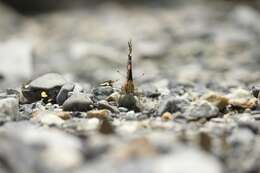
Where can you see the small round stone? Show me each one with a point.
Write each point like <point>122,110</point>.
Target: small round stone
<point>78,102</point>
<point>167,116</point>
<point>128,101</point>
<point>130,115</point>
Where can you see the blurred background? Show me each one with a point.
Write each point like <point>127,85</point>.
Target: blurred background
<point>188,41</point>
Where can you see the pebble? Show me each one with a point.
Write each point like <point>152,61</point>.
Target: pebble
<point>255,91</point>
<point>102,92</point>
<point>103,104</point>
<point>245,118</point>
<point>245,16</point>
<point>78,102</point>
<point>205,141</point>
<point>48,118</point>
<point>150,91</point>
<point>122,109</point>
<point>100,114</point>
<point>128,101</point>
<point>172,105</point>
<point>77,89</point>
<point>12,150</point>
<point>188,160</point>
<point>141,116</point>
<point>64,93</point>
<point>40,148</point>
<point>44,87</point>
<point>133,149</point>
<point>9,109</point>
<point>201,109</point>
<point>60,149</point>
<point>83,125</point>
<point>106,127</point>
<point>167,116</point>
<point>63,115</point>
<point>218,100</point>
<point>51,119</point>
<point>242,136</point>
<point>114,97</point>
<point>256,116</point>
<point>241,98</point>
<point>130,115</point>
<point>48,81</point>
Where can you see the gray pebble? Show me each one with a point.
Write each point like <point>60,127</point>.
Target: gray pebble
<point>150,91</point>
<point>9,109</point>
<point>103,104</point>
<point>122,109</point>
<point>48,81</point>
<point>256,116</point>
<point>128,101</point>
<point>172,104</point>
<point>63,94</point>
<point>77,89</point>
<point>255,91</point>
<point>78,102</point>
<point>141,116</point>
<point>130,115</point>
<point>201,109</point>
<point>102,92</point>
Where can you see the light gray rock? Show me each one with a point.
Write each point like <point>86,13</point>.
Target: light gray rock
<point>130,115</point>
<point>9,108</point>
<point>48,118</point>
<point>246,16</point>
<point>17,157</point>
<point>201,109</point>
<point>122,109</point>
<point>172,105</point>
<point>188,160</point>
<point>48,81</point>
<point>38,149</point>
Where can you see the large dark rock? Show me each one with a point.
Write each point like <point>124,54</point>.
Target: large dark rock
<point>50,84</point>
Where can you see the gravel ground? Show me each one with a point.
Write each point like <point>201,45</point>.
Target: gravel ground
<point>196,105</point>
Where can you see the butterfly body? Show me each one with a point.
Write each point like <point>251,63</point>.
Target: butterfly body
<point>128,98</point>
<point>129,87</point>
